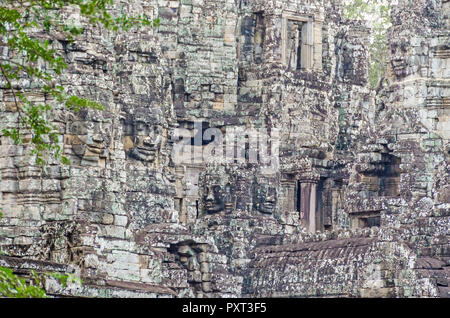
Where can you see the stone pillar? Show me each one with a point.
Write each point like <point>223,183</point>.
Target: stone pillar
<point>288,195</point>
<point>308,192</point>
<point>336,204</point>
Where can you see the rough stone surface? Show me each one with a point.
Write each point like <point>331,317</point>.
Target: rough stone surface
<point>358,207</point>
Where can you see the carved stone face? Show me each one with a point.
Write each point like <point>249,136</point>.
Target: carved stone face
<point>147,139</point>
<point>218,189</point>
<point>265,198</point>
<point>143,137</point>
<point>399,62</point>
<point>87,146</point>
<point>214,199</point>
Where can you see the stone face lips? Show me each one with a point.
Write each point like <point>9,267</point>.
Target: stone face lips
<point>356,207</point>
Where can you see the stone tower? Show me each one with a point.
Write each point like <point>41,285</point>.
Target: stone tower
<point>242,152</point>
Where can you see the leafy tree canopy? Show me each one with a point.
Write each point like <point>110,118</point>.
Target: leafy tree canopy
<point>12,286</point>
<point>378,13</point>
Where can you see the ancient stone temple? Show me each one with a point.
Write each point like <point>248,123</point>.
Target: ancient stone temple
<point>242,153</point>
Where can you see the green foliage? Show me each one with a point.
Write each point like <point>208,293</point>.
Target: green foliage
<point>64,279</point>
<point>32,58</point>
<point>378,11</point>
<point>12,286</point>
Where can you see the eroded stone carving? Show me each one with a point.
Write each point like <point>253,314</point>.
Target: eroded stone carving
<point>352,54</point>
<point>217,190</point>
<point>399,63</point>
<point>215,198</point>
<point>85,145</point>
<point>145,228</point>
<point>143,135</point>
<point>265,195</point>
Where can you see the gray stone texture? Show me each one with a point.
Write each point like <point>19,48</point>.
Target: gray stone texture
<point>361,197</point>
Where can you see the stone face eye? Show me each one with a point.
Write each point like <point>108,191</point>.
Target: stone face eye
<point>216,189</point>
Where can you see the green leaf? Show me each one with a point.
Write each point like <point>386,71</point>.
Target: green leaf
<point>13,286</point>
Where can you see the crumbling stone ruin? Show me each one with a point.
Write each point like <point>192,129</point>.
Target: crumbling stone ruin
<point>344,193</point>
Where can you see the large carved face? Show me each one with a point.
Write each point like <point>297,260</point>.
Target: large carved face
<point>399,59</point>
<point>214,198</point>
<point>265,197</point>
<point>217,192</point>
<point>87,144</point>
<point>143,137</point>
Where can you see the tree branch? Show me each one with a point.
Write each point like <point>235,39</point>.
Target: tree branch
<point>12,90</point>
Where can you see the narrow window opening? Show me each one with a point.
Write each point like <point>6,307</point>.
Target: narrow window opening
<point>178,204</point>
<point>366,219</point>
<point>320,206</point>
<point>373,221</point>
<point>296,40</point>
<point>299,46</point>
<point>389,179</point>
<point>196,208</point>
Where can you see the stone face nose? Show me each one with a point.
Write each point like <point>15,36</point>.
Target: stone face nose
<point>271,198</point>
<point>210,196</point>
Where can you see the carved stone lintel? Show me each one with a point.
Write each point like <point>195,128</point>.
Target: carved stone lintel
<point>309,177</point>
